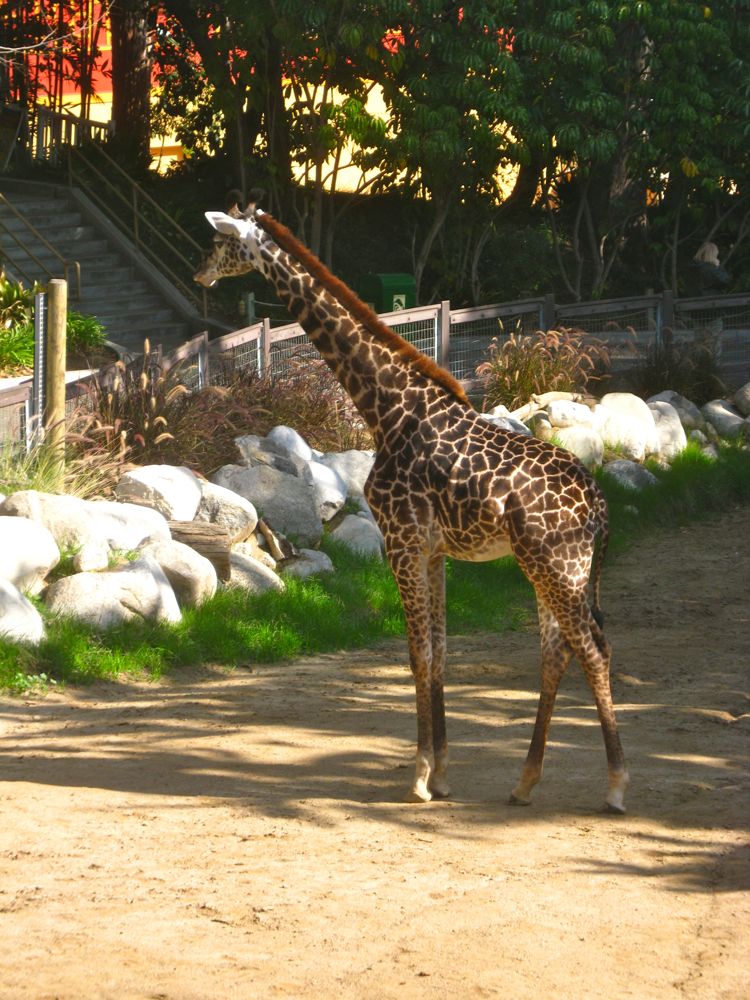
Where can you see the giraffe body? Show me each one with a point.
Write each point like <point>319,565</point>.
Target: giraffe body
<point>446,482</point>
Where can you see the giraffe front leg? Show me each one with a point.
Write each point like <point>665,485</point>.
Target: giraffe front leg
<point>410,569</point>
<point>439,779</point>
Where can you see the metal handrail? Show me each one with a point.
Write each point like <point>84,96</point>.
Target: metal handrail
<point>139,223</point>
<point>67,264</point>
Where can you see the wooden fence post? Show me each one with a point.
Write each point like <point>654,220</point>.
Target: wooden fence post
<point>54,376</point>
<point>265,347</point>
<point>549,313</point>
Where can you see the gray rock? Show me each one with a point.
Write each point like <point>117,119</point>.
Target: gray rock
<point>288,440</point>
<point>630,474</point>
<point>585,442</point>
<point>138,590</point>
<point>288,503</point>
<point>670,433</point>
<point>191,576</point>
<point>252,576</point>
<point>310,562</point>
<point>691,417</point>
<point>91,557</point>
<point>19,620</point>
<point>254,550</point>
<point>28,552</point>
<point>353,467</point>
<point>255,451</point>
<point>172,490</point>
<point>74,522</point>
<point>219,505</point>
<point>506,423</point>
<point>329,487</point>
<point>359,534</point>
<point>722,416</point>
<point>741,400</point>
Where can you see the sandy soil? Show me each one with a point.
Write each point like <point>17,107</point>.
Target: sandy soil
<point>244,836</point>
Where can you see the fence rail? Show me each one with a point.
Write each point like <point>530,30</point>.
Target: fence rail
<point>458,339</point>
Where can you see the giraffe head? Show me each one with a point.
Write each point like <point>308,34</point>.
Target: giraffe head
<point>236,248</point>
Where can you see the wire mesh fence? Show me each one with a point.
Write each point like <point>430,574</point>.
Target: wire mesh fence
<point>458,339</point>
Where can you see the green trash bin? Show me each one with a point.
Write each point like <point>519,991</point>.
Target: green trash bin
<point>388,292</point>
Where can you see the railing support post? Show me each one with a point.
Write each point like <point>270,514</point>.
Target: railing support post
<point>442,354</point>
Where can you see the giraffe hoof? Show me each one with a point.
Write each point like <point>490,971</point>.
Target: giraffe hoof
<point>518,800</point>
<point>440,788</point>
<point>613,809</point>
<point>419,793</point>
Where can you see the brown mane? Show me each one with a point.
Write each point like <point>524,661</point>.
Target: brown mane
<point>362,313</point>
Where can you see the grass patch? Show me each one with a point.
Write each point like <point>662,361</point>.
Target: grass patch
<point>359,603</point>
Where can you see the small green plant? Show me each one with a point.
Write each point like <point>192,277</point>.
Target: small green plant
<point>16,303</point>
<point>527,364</point>
<point>16,350</point>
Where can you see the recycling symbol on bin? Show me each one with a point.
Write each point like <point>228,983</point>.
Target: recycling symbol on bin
<point>399,301</point>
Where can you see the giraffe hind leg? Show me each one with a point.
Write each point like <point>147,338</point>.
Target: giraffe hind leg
<point>592,651</point>
<point>556,655</point>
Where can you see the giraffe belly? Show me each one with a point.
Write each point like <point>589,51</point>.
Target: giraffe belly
<point>493,548</point>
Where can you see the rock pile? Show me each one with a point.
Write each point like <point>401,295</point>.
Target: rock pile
<point>123,560</point>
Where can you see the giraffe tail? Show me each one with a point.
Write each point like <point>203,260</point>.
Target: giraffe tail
<point>602,531</point>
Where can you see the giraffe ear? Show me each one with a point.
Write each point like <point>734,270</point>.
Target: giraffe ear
<point>227,225</point>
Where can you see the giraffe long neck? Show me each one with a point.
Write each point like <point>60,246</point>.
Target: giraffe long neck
<point>388,380</point>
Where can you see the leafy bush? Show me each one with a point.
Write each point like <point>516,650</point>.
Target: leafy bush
<point>85,334</point>
<point>526,364</point>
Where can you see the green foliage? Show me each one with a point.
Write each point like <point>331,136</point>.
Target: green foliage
<point>523,365</point>
<point>85,334</point>
<point>85,475</point>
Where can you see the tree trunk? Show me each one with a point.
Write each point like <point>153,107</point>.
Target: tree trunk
<point>131,77</point>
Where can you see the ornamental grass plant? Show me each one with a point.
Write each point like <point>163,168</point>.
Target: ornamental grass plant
<point>521,365</point>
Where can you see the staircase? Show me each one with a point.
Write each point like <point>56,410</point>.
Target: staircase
<point>51,231</point>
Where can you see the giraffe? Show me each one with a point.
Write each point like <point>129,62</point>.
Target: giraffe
<point>447,482</point>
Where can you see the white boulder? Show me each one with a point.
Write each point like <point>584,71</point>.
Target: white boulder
<point>172,490</point>
<point>191,576</point>
<point>567,413</point>
<point>330,489</point>
<point>19,620</point>
<point>353,467</point>
<point>138,590</point>
<point>691,417</point>
<point>585,442</point>
<point>670,433</point>
<point>360,534</point>
<point>28,552</point>
<point>73,521</point>
<point>310,562</point>
<point>286,501</point>
<point>92,556</point>
<point>219,505</point>
<point>724,418</point>
<point>251,575</point>
<point>288,440</point>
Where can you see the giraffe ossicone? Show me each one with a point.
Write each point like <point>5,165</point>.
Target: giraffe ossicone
<point>446,482</point>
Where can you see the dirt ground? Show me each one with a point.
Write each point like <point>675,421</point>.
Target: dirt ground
<point>245,835</point>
